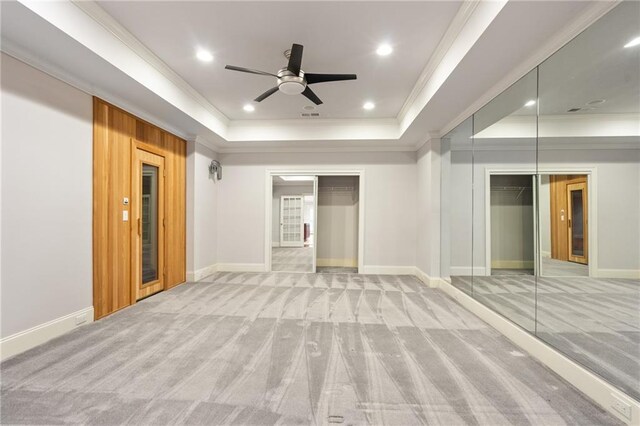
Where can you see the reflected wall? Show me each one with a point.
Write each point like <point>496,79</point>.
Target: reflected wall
<point>541,201</point>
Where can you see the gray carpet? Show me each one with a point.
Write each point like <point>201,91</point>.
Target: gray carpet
<point>276,348</point>
<point>560,268</point>
<point>596,321</point>
<point>292,259</point>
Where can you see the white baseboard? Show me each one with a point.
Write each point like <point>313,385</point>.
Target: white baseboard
<point>632,274</point>
<point>389,270</point>
<point>466,271</point>
<point>201,273</point>
<point>240,267</point>
<point>544,253</point>
<point>337,263</point>
<point>275,244</point>
<point>588,383</point>
<point>512,264</point>
<point>431,282</point>
<point>27,339</point>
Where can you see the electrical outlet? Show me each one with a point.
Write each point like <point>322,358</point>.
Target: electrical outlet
<point>81,319</point>
<point>621,407</point>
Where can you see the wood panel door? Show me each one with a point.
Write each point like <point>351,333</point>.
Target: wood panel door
<point>147,224</point>
<point>577,222</point>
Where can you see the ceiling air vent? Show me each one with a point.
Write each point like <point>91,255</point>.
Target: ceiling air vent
<point>574,110</point>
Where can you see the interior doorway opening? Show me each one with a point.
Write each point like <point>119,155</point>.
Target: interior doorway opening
<point>512,199</point>
<point>564,225</point>
<point>293,223</point>
<point>338,224</point>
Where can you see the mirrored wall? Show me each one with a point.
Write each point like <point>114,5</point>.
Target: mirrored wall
<point>541,200</point>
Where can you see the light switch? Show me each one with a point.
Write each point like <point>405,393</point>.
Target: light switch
<point>125,215</point>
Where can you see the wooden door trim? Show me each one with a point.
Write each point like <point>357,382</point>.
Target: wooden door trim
<point>137,290</point>
<point>578,184</point>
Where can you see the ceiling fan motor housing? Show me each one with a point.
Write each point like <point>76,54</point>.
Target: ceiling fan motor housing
<point>289,83</point>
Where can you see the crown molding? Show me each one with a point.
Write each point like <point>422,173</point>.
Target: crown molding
<point>451,34</point>
<point>430,136</point>
<point>100,16</point>
<point>570,31</point>
<point>315,149</point>
<point>18,53</point>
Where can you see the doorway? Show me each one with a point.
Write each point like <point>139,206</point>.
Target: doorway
<point>293,223</point>
<point>564,218</point>
<point>313,218</point>
<point>511,243</point>
<point>147,208</point>
<point>338,224</point>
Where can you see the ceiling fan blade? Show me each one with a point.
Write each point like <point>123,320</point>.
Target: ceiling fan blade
<point>266,94</point>
<point>308,93</point>
<point>295,59</point>
<point>323,78</point>
<point>250,71</point>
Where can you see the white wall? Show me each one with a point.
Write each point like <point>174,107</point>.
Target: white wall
<point>618,202</point>
<point>337,236</point>
<point>202,213</point>
<point>618,199</point>
<point>544,216</point>
<point>46,198</point>
<point>390,204</point>
<point>279,191</point>
<point>428,208</point>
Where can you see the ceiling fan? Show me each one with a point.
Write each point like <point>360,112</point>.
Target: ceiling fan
<point>291,80</point>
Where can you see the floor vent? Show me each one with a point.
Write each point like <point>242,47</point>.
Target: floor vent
<point>310,114</point>
<point>336,419</point>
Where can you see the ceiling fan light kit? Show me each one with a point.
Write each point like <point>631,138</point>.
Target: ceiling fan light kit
<point>291,80</point>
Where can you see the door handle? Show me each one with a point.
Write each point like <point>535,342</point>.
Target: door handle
<point>139,227</point>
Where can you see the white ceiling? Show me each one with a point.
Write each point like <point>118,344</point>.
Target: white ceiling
<point>338,37</point>
<point>486,46</point>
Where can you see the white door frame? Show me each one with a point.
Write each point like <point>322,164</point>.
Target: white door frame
<point>592,203</point>
<point>312,171</point>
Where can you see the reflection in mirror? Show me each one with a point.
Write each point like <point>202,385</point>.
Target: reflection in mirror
<point>456,193</point>
<point>504,168</point>
<point>564,236</point>
<point>589,162</point>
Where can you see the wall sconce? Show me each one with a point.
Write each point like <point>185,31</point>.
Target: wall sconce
<point>215,168</point>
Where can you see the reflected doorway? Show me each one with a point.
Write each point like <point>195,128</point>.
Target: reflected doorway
<point>564,225</point>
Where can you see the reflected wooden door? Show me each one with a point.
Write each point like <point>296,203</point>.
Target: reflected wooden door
<point>147,224</point>
<point>577,226</point>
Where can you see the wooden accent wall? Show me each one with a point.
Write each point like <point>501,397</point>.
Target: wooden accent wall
<point>114,131</point>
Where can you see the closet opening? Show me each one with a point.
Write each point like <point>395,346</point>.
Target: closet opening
<point>512,225</point>
<point>338,224</point>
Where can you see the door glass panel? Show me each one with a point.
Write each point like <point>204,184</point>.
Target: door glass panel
<point>577,228</point>
<point>149,223</point>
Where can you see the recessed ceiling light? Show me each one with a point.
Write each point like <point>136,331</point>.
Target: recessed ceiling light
<point>530,103</point>
<point>596,102</point>
<point>249,108</point>
<point>204,55</point>
<point>309,107</point>
<point>369,105</point>
<point>384,49</point>
<point>634,42</point>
